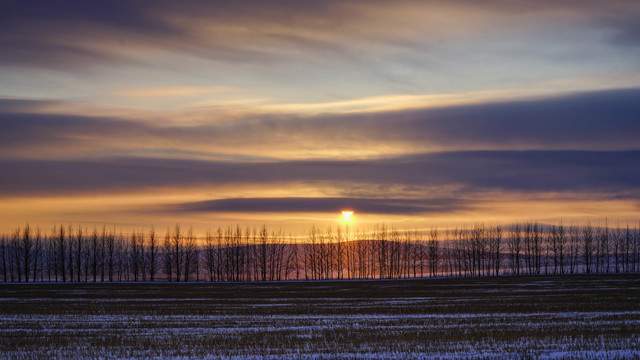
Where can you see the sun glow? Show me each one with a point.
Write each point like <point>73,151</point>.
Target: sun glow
<point>346,215</point>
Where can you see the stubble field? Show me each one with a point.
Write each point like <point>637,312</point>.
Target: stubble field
<point>571,317</point>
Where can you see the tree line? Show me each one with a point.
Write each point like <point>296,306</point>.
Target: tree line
<point>78,254</point>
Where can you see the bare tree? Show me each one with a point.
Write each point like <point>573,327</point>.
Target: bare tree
<point>177,244</point>
<point>245,254</point>
<point>220,256</point>
<point>495,248</point>
<point>514,249</point>
<point>196,261</point>
<point>209,255</point>
<point>86,256</point>
<point>450,252</point>
<point>458,244</point>
<point>124,257</point>
<point>188,254</point>
<point>153,254</point>
<point>27,245</point>
<point>79,251</point>
<point>528,247</point>
<point>135,256</point>
<point>339,253</point>
<point>433,252</point>
<point>587,247</point>
<point>292,262</point>
<point>382,250</point>
<point>4,257</point>
<point>618,241</point>
<point>636,250</point>
<point>37,255</point>
<point>575,246</point>
<point>52,258</point>
<point>167,252</point>
<point>15,256</point>
<point>537,248</point>
<point>558,243</point>
<point>478,249</point>
<point>604,246</point>
<point>95,253</point>
<point>70,247</point>
<point>62,253</point>
<point>263,252</point>
<point>110,250</point>
<point>628,235</point>
<point>103,251</point>
<point>144,257</point>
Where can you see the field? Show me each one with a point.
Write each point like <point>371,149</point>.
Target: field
<point>596,316</point>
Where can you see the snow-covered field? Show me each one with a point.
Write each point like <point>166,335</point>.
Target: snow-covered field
<point>573,317</point>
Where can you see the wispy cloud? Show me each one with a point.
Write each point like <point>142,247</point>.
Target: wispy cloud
<point>75,33</point>
<point>171,91</point>
<point>604,120</point>
<point>414,107</point>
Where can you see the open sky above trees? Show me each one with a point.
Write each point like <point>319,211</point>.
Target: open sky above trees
<point>284,113</point>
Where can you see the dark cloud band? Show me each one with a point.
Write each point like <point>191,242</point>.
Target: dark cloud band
<point>610,172</point>
<point>321,205</point>
<point>601,120</point>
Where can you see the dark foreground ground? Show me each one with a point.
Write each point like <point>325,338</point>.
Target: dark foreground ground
<point>595,316</point>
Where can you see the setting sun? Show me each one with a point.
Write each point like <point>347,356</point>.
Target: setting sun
<point>346,215</point>
<point>170,152</point>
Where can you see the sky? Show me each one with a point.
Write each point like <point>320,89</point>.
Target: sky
<point>411,113</point>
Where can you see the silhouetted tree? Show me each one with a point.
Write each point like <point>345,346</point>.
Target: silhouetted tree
<point>433,252</point>
<point>495,248</point>
<point>3,257</point>
<point>189,254</point>
<point>79,252</point>
<point>153,254</point>
<point>38,263</point>
<point>558,241</point>
<point>514,245</point>
<point>587,247</point>
<point>167,252</point>
<point>27,245</point>
<point>177,244</point>
<point>62,253</point>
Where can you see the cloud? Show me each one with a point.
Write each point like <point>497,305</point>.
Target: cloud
<point>612,173</point>
<point>170,91</point>
<point>62,133</point>
<point>624,27</point>
<point>320,205</point>
<point>601,120</point>
<point>374,103</point>
<point>76,34</point>
<point>73,33</point>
